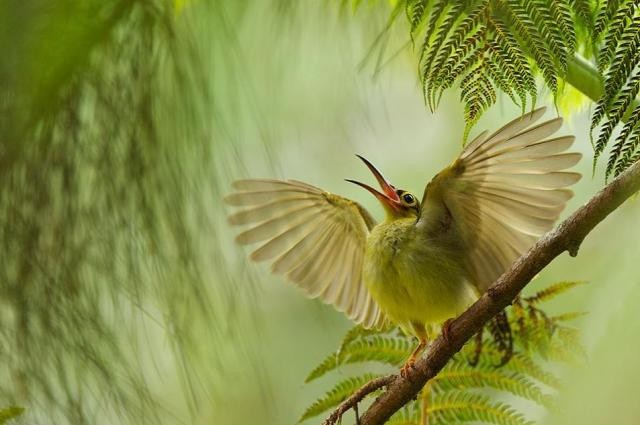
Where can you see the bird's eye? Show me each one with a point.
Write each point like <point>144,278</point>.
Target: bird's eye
<point>408,198</point>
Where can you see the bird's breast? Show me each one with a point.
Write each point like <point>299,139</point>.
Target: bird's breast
<point>413,278</point>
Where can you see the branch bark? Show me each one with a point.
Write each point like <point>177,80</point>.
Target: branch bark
<point>567,236</point>
<point>352,401</point>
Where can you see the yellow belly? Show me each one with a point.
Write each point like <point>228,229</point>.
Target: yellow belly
<point>416,282</point>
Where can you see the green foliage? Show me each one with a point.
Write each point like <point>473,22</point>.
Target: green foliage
<point>460,407</point>
<point>106,119</point>
<point>385,349</point>
<point>9,413</point>
<point>552,291</point>
<point>619,58</point>
<point>337,394</point>
<point>483,47</point>
<point>510,356</point>
<point>467,407</point>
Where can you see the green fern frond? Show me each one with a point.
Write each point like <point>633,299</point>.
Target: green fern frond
<point>625,58</point>
<point>508,56</point>
<point>552,291</point>
<point>345,354</point>
<point>567,347</point>
<point>449,22</point>
<point>606,10</point>
<point>435,14</point>
<point>584,15</point>
<point>621,55</point>
<point>601,141</point>
<point>520,363</point>
<point>478,94</point>
<point>8,413</point>
<point>566,317</point>
<point>456,394</point>
<point>620,105</point>
<point>584,11</point>
<point>549,28</point>
<point>540,334</point>
<point>465,407</point>
<point>458,64</point>
<point>622,141</point>
<point>336,395</point>
<point>630,152</point>
<point>502,336</point>
<point>462,376</point>
<point>615,29</point>
<point>562,17</point>
<point>331,362</point>
<point>466,34</point>
<point>358,332</point>
<point>487,37</point>
<point>510,42</point>
<point>636,156</point>
<point>599,112</point>
<point>501,79</point>
<point>387,350</point>
<point>446,21</point>
<point>415,10</point>
<point>467,28</point>
<point>380,349</point>
<point>524,364</point>
<point>408,415</point>
<point>528,31</point>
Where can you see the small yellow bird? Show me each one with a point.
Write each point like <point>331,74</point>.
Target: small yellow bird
<point>427,261</point>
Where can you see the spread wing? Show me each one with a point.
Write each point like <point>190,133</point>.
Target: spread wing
<point>314,238</point>
<point>502,193</point>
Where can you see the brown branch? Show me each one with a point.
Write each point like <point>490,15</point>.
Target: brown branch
<point>567,236</point>
<point>356,397</point>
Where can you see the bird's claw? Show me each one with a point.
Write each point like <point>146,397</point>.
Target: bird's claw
<point>446,329</point>
<point>407,367</point>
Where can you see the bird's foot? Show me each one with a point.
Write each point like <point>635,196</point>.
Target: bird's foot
<point>446,329</point>
<point>407,367</point>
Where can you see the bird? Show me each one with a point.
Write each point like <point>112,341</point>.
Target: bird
<point>428,260</point>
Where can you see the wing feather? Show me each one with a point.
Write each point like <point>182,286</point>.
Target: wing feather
<point>315,273</point>
<point>539,197</point>
<point>287,225</point>
<point>314,238</point>
<point>537,165</point>
<point>503,192</point>
<point>301,250</point>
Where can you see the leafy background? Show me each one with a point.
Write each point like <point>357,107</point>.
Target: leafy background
<point>122,296</point>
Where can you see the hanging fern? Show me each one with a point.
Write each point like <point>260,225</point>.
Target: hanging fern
<point>512,360</point>
<point>486,47</point>
<point>479,44</point>
<point>483,47</point>
<point>620,59</point>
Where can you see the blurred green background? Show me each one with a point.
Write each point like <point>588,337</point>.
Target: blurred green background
<point>123,298</point>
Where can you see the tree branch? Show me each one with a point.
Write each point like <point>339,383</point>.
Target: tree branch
<point>356,397</point>
<point>567,236</point>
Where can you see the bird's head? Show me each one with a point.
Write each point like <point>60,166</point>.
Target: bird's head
<point>397,203</point>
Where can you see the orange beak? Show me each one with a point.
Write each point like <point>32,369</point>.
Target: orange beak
<point>388,197</point>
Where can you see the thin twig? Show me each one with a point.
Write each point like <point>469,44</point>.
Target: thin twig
<point>356,397</point>
<point>567,236</point>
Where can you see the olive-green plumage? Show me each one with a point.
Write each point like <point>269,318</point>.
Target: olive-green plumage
<point>429,260</point>
<point>417,280</point>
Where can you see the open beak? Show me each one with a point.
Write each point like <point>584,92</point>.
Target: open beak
<point>388,196</point>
